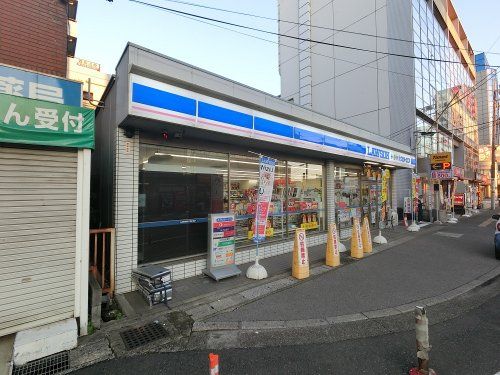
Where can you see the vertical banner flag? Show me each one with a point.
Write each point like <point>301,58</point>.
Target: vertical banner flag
<point>385,183</point>
<point>414,186</point>
<point>266,182</point>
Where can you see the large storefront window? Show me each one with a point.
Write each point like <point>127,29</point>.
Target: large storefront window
<point>244,175</point>
<point>347,198</point>
<point>179,188</point>
<point>305,196</point>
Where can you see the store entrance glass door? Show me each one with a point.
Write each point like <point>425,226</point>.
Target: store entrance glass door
<point>174,213</point>
<point>371,200</point>
<point>178,189</point>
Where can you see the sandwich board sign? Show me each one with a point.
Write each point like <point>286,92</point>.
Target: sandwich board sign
<point>221,247</point>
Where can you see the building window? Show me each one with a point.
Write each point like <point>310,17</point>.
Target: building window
<point>347,198</point>
<point>179,188</point>
<point>305,196</point>
<point>244,181</point>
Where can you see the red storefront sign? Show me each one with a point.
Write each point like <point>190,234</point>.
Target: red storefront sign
<point>458,199</point>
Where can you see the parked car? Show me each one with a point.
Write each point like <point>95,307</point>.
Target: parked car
<point>497,236</point>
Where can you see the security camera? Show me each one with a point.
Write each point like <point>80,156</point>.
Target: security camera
<point>129,132</point>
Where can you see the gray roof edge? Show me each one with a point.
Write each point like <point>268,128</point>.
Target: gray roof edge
<point>327,123</point>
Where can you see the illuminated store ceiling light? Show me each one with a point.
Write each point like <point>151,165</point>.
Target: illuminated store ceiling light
<point>192,157</point>
<point>371,163</point>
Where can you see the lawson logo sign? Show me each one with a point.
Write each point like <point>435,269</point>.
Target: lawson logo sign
<point>378,153</point>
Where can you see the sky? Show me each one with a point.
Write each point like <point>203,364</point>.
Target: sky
<point>105,27</point>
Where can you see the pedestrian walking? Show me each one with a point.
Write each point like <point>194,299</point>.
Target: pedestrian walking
<point>420,209</point>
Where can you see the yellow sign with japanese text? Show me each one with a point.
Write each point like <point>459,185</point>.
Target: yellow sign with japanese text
<point>441,157</point>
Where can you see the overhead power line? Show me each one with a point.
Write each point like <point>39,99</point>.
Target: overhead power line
<point>305,39</point>
<point>315,26</point>
<point>457,100</point>
<point>408,128</point>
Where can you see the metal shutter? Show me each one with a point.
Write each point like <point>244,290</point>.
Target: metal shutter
<point>37,237</point>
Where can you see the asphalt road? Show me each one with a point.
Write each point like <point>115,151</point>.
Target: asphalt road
<point>426,266</point>
<point>469,344</point>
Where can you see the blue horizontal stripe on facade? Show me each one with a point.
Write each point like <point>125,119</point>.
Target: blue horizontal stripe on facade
<point>228,116</point>
<point>182,104</point>
<point>162,99</point>
<point>273,127</point>
<point>335,142</point>
<point>356,147</point>
<point>308,136</point>
<point>170,223</point>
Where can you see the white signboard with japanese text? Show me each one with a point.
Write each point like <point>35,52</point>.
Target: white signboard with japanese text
<point>221,246</point>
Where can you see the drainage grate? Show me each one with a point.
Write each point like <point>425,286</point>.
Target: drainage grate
<point>135,337</point>
<point>52,364</point>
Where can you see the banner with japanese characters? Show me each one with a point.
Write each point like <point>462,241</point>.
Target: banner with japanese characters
<point>386,175</point>
<point>37,122</point>
<point>266,183</point>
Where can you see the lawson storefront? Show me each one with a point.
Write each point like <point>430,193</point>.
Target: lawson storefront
<point>175,143</point>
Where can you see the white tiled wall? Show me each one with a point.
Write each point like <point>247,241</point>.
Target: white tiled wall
<point>125,206</point>
<point>330,192</point>
<point>195,267</point>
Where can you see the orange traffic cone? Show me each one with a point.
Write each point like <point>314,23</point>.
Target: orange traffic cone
<point>300,264</point>
<point>366,236</point>
<point>332,247</point>
<point>356,240</point>
<point>214,363</point>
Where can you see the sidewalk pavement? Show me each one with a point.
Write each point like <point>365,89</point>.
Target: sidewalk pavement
<point>200,289</point>
<point>434,266</point>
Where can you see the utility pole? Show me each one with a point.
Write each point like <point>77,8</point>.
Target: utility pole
<point>493,151</point>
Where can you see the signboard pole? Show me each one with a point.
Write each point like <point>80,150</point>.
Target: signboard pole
<point>267,166</point>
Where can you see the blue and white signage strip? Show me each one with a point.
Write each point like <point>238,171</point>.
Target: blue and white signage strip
<point>164,102</point>
<point>19,82</point>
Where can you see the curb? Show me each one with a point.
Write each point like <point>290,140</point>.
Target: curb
<point>485,279</point>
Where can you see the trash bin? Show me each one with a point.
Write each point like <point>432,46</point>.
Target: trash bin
<point>154,283</point>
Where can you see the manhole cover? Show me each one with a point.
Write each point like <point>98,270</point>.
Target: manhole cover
<point>135,337</point>
<point>52,364</point>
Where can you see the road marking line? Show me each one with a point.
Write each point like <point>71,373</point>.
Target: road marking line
<point>487,222</point>
<point>448,234</point>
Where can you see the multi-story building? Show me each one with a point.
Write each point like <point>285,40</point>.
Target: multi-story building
<point>45,147</point>
<point>45,43</point>
<point>388,67</point>
<point>487,84</point>
<point>93,80</point>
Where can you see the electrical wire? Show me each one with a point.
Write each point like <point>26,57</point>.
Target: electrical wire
<point>317,26</point>
<point>307,39</point>
<point>472,90</point>
<point>195,16</point>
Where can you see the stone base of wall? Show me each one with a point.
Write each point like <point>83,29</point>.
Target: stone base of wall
<point>192,268</point>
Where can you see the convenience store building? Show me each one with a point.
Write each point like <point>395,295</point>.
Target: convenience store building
<point>175,143</point>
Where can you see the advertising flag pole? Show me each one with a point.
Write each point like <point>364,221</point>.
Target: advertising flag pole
<point>256,271</point>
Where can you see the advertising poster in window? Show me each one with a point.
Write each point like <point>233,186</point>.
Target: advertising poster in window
<point>266,182</point>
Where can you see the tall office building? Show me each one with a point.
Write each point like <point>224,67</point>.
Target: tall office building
<point>487,84</point>
<point>390,67</point>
